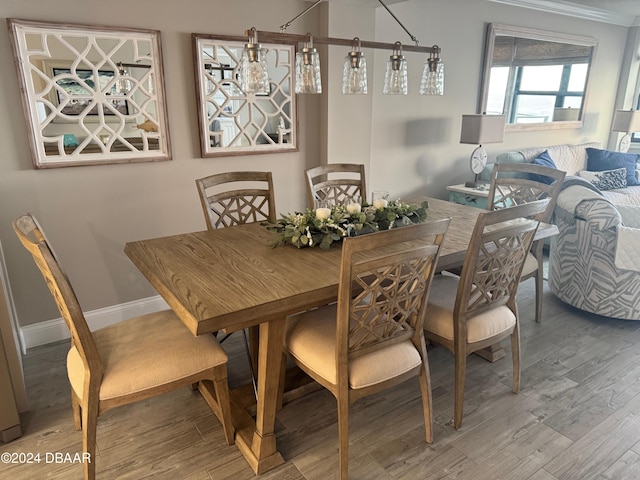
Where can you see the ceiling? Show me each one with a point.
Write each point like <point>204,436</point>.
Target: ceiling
<point>617,12</point>
<point>624,7</point>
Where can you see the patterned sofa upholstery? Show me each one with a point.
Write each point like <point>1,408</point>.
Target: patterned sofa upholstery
<point>594,261</point>
<point>571,159</point>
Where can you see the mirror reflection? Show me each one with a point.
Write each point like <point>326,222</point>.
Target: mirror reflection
<point>537,79</point>
<point>232,121</point>
<point>91,94</point>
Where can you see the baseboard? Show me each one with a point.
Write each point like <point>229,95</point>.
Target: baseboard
<point>55,330</point>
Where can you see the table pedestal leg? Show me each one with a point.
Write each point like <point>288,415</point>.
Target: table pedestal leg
<point>493,353</point>
<point>257,441</point>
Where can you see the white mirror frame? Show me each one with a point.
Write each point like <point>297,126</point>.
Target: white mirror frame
<point>232,122</point>
<point>71,122</point>
<point>494,30</point>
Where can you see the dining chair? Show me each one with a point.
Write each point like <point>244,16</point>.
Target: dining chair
<point>372,338</point>
<point>516,184</point>
<point>236,198</point>
<point>128,361</point>
<point>335,183</point>
<point>478,309</point>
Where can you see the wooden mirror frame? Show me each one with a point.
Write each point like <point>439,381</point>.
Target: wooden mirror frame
<point>70,122</point>
<point>493,30</point>
<point>232,122</point>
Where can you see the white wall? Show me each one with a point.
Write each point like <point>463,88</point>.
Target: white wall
<point>409,144</point>
<point>415,148</point>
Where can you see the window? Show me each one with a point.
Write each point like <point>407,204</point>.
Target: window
<point>538,93</point>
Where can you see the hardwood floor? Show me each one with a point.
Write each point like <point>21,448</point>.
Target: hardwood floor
<point>577,417</point>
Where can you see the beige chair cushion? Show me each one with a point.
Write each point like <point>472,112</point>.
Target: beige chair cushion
<point>439,316</point>
<point>530,265</point>
<point>311,339</point>
<point>145,352</point>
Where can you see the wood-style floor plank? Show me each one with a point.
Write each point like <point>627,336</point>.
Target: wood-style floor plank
<point>577,417</point>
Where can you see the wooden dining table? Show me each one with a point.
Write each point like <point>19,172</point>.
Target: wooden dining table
<point>232,278</point>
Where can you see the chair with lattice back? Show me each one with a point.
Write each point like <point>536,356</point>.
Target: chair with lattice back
<point>516,184</point>
<point>478,309</point>
<point>335,183</point>
<point>236,198</point>
<point>372,338</point>
<point>129,361</point>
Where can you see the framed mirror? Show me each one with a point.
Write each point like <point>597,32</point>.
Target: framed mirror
<point>232,122</point>
<point>91,95</point>
<point>537,79</point>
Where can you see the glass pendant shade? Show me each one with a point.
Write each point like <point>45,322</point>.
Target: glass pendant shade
<point>308,70</point>
<point>432,82</point>
<point>354,76</point>
<point>395,76</point>
<point>123,84</point>
<point>253,72</point>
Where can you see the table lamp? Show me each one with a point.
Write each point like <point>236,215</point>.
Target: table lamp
<point>627,121</point>
<point>480,129</point>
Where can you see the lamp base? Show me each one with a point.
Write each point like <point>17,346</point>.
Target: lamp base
<point>473,184</point>
<point>625,143</point>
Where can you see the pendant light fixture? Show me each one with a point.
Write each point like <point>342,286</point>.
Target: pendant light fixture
<point>354,76</point>
<point>432,82</point>
<point>123,84</point>
<point>395,76</point>
<point>254,77</point>
<point>308,69</point>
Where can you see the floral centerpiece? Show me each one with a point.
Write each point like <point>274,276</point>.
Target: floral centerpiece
<point>324,226</point>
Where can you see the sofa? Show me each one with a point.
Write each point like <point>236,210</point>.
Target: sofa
<point>594,261</point>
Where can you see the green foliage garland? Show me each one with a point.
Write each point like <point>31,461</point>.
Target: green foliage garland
<point>307,230</point>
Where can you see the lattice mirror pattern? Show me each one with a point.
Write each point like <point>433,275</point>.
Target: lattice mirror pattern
<point>91,95</point>
<point>234,122</point>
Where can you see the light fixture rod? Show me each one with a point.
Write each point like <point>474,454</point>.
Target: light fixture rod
<point>415,40</point>
<point>293,38</point>
<point>133,65</point>
<point>286,25</point>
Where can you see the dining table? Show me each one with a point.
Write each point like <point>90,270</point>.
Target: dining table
<point>233,278</point>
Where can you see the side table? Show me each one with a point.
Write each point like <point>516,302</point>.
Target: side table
<point>471,196</point>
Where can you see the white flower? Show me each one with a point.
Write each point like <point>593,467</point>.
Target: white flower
<point>323,213</point>
<point>380,203</point>
<point>297,219</point>
<point>353,208</point>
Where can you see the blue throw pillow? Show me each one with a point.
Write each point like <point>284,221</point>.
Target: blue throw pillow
<point>601,160</point>
<point>545,160</point>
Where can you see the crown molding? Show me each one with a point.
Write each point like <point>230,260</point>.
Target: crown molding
<point>575,10</point>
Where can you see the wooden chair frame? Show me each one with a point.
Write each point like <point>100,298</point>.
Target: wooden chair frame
<point>228,206</point>
<point>236,206</point>
<point>87,409</point>
<point>324,186</point>
<point>384,283</point>
<point>490,276</point>
<point>507,191</point>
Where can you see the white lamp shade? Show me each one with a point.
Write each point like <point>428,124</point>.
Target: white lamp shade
<point>481,129</point>
<point>626,121</point>
<point>566,114</point>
